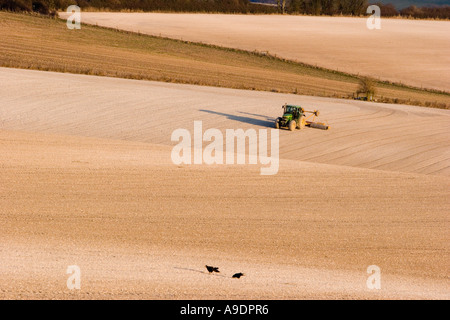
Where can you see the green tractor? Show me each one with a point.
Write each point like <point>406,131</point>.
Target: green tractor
<point>294,117</point>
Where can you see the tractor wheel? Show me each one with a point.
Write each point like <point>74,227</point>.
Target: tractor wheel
<point>301,123</point>
<point>277,123</point>
<point>292,124</point>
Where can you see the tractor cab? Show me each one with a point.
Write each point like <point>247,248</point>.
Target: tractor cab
<point>292,112</point>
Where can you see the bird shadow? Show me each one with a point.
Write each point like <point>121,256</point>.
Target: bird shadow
<point>200,271</point>
<point>249,120</point>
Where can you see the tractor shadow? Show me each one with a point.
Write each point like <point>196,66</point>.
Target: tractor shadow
<point>266,122</point>
<point>270,119</point>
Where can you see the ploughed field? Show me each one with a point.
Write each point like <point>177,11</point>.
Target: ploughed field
<point>412,52</point>
<point>87,179</point>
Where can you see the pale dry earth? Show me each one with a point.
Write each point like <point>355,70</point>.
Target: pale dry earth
<point>87,179</point>
<point>412,52</point>
<point>367,135</point>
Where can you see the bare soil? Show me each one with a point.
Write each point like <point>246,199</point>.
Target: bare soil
<point>87,179</point>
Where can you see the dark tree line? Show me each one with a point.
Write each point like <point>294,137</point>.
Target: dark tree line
<point>228,6</point>
<point>433,12</point>
<point>328,7</point>
<point>311,7</point>
<point>359,7</point>
<point>426,12</point>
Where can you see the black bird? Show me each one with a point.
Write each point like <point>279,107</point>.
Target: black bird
<point>238,275</point>
<point>212,269</point>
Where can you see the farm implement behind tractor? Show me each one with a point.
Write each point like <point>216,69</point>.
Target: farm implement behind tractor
<point>295,117</point>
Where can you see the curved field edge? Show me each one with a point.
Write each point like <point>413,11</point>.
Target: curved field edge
<point>33,42</point>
